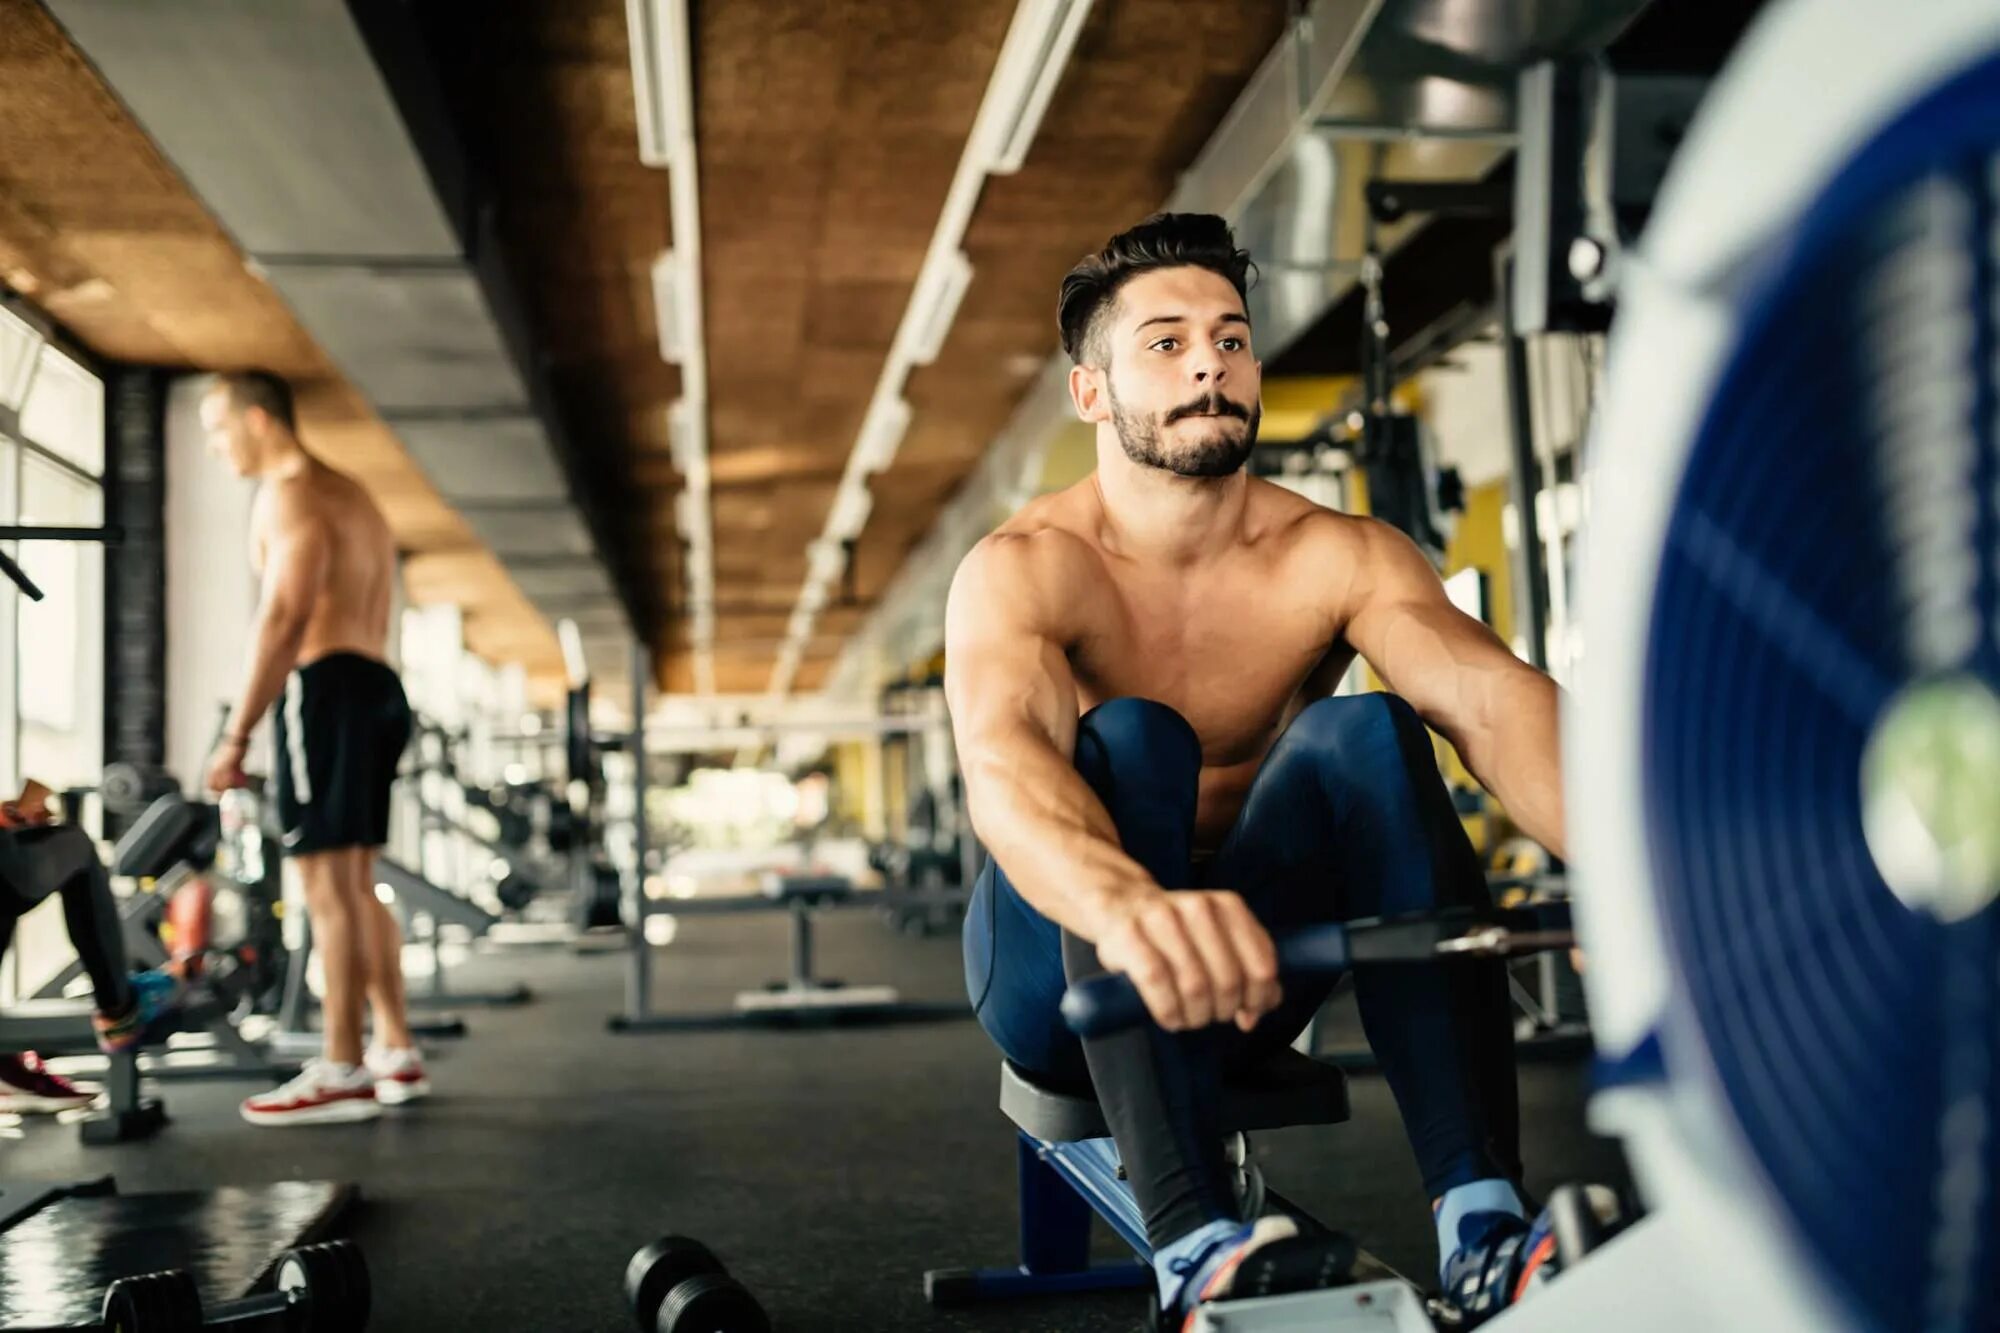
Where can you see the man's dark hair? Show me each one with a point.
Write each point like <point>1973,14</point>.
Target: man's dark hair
<point>1165,240</point>
<point>258,388</point>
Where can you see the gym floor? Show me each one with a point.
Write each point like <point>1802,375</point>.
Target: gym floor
<point>827,1168</point>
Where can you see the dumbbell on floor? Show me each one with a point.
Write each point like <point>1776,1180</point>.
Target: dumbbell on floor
<point>320,1289</point>
<point>676,1285</point>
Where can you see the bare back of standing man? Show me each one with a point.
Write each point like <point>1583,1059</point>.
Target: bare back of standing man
<point>327,562</point>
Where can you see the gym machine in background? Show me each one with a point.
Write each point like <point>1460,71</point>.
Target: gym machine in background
<point>579,813</point>
<point>934,848</point>
<point>803,996</point>
<point>1594,142</point>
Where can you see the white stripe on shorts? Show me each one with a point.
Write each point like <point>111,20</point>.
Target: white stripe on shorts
<point>295,737</point>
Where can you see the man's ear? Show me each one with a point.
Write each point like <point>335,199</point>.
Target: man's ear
<point>1087,390</point>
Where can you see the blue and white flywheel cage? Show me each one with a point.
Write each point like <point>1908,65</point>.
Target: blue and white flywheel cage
<point>1783,745</point>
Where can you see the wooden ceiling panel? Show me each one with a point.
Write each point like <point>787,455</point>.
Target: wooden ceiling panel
<point>738,675</point>
<point>828,135</point>
<point>835,373</point>
<point>774,463</point>
<point>817,431</point>
<point>201,298</point>
<point>754,332</point>
<point>767,65</point>
<point>913,485</point>
<point>848,316</point>
<point>766,630</point>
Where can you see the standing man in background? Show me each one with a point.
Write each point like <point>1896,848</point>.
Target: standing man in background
<point>327,562</point>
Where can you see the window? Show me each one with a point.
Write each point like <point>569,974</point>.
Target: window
<point>19,346</point>
<point>59,660</point>
<point>10,603</point>
<point>65,412</point>
<point>51,651</point>
<point>52,657</point>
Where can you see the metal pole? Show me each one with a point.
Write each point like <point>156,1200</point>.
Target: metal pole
<point>802,948</point>
<point>1531,612</point>
<point>638,991</point>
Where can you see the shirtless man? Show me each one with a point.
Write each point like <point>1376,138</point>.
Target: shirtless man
<point>327,562</point>
<point>1139,670</point>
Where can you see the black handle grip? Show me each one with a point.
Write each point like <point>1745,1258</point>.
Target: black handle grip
<point>1101,1005</point>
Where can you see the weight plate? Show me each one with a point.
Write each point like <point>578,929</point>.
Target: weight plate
<point>1828,599</point>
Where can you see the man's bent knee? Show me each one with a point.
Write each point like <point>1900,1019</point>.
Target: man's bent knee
<point>1349,719</point>
<point>1137,737</point>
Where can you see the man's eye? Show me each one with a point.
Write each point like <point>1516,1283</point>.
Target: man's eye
<point>1166,344</point>
<point>1232,344</point>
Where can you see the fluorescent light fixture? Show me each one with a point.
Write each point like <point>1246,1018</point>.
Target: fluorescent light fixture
<point>935,303</point>
<point>697,475</point>
<point>687,442</point>
<point>574,664</point>
<point>1039,44</point>
<point>657,31</point>
<point>800,627</point>
<point>669,279</point>
<point>881,435</point>
<point>825,561</point>
<point>812,598</point>
<point>1044,33</point>
<point>850,513</point>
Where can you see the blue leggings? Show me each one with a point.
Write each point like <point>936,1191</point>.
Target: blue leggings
<point>1348,817</point>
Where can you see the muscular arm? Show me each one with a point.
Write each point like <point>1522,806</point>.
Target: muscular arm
<point>295,567</point>
<point>1013,710</point>
<point>1499,712</point>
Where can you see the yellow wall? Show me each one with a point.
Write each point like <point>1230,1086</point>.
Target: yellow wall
<point>1478,540</point>
<point>854,794</point>
<point>895,753</point>
<point>1071,456</point>
<point>1292,407</point>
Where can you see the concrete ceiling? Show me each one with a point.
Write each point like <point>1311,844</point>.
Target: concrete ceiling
<point>827,135</point>
<point>99,230</point>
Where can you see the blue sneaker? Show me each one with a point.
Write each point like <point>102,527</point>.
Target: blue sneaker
<point>154,993</point>
<point>1499,1257</point>
<point>1267,1257</point>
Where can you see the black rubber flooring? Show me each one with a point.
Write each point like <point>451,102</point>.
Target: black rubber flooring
<point>828,1168</point>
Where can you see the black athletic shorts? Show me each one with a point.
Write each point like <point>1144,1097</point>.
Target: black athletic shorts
<point>342,725</point>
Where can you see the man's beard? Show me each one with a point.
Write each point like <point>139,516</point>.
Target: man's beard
<point>1220,451</point>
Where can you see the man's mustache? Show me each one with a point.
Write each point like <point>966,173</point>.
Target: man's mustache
<point>1214,405</point>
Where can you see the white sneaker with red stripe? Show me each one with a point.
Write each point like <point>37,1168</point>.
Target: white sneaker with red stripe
<point>324,1093</point>
<point>27,1088</point>
<point>399,1075</point>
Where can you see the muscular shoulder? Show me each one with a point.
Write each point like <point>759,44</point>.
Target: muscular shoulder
<point>293,505</point>
<point>1369,562</point>
<point>1292,527</point>
<point>1029,570</point>
<point>1342,554</point>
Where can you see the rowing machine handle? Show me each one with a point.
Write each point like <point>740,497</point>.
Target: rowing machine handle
<point>1101,1005</point>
